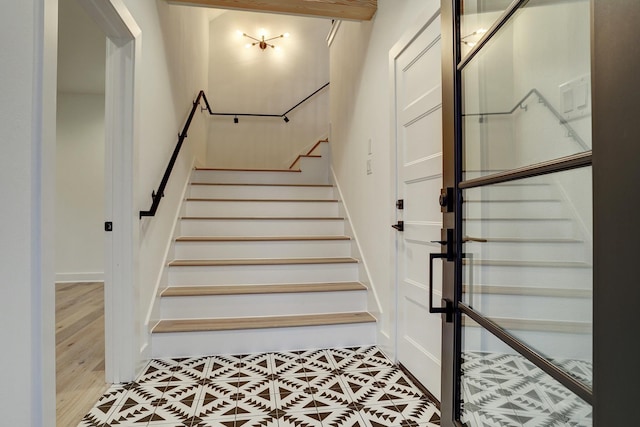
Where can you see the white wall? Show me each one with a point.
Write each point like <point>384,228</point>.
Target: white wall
<point>80,187</point>
<point>249,80</point>
<point>360,109</point>
<point>27,119</point>
<point>172,70</point>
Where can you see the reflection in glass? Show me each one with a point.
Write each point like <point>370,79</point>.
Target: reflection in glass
<point>501,388</point>
<point>476,17</point>
<point>527,93</point>
<point>528,261</point>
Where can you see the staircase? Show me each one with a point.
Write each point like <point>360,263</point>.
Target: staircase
<point>529,268</point>
<point>262,264</point>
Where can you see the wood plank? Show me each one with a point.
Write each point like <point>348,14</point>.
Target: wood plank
<point>259,261</point>
<point>268,218</point>
<point>263,185</point>
<point>303,155</point>
<point>357,10</point>
<point>80,376</point>
<point>563,326</point>
<point>190,291</point>
<point>228,324</point>
<point>509,263</point>
<point>527,291</point>
<point>264,200</point>
<point>248,170</point>
<point>259,238</point>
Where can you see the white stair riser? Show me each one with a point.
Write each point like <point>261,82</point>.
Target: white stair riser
<point>260,274</point>
<point>261,227</point>
<point>259,192</point>
<point>550,228</point>
<point>273,209</point>
<point>258,249</point>
<point>262,340</point>
<point>561,277</point>
<point>249,177</point>
<point>520,209</point>
<point>532,307</point>
<point>552,344</point>
<point>284,304</point>
<point>527,251</point>
<point>512,192</point>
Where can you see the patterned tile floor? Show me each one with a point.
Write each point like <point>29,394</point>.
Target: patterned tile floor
<point>352,387</point>
<point>507,390</point>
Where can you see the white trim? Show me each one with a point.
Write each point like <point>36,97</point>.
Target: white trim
<point>335,26</point>
<point>80,277</point>
<point>123,53</point>
<point>373,304</point>
<point>431,12</point>
<point>162,279</point>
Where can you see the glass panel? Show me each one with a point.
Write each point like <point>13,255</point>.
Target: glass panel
<point>501,388</point>
<point>476,17</point>
<point>527,94</point>
<point>528,262</point>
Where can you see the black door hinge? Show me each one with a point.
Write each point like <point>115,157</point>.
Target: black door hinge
<point>108,226</point>
<point>400,204</point>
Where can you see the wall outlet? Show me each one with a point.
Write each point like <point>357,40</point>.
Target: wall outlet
<point>369,171</point>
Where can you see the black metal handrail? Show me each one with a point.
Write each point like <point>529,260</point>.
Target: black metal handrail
<point>283,115</point>
<point>156,196</point>
<point>519,105</point>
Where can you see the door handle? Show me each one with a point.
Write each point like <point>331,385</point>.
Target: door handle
<point>399,226</point>
<point>448,308</point>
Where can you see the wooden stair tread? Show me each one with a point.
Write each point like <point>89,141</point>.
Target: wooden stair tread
<point>175,291</point>
<point>510,263</point>
<point>519,219</point>
<point>227,324</point>
<point>527,291</point>
<point>263,185</point>
<point>309,152</point>
<point>527,240</point>
<point>511,200</point>
<point>258,238</point>
<point>263,200</point>
<point>247,170</point>
<point>253,218</point>
<point>566,326</point>
<point>259,261</point>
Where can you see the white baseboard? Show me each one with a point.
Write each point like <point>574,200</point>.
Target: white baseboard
<point>80,277</point>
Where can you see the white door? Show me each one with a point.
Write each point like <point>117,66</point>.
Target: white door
<point>418,100</point>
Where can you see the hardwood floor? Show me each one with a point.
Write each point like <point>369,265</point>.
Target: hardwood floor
<point>80,378</point>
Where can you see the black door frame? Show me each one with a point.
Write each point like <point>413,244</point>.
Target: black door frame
<point>616,152</point>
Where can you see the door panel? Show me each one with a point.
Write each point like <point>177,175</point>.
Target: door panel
<point>419,179</point>
<point>517,156</point>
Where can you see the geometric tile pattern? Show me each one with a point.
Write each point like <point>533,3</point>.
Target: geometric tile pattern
<point>507,390</point>
<point>348,387</point>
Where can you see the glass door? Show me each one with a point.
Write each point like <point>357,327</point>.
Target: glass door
<point>517,215</point>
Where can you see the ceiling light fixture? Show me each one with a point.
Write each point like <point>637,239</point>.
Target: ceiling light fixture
<point>262,42</point>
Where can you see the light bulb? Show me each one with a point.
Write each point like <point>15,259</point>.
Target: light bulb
<point>240,33</point>
<point>286,34</point>
<point>262,32</point>
<point>278,48</point>
<point>248,45</point>
<point>481,31</point>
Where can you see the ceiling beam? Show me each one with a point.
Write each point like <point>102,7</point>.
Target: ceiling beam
<point>357,10</point>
